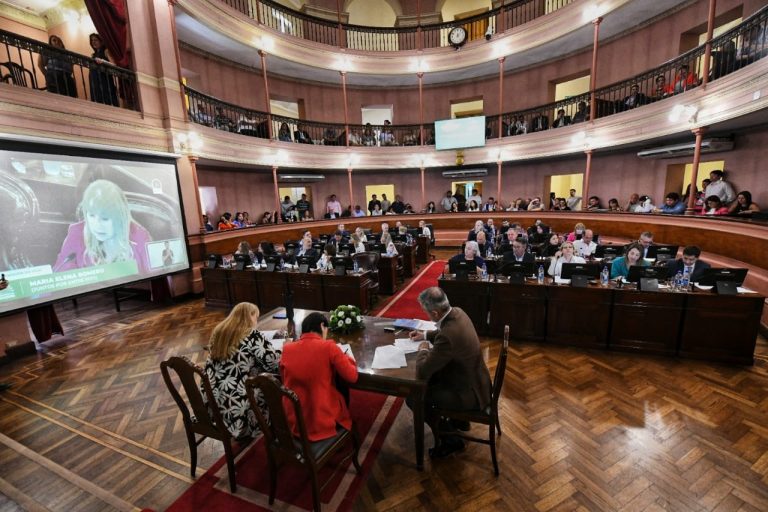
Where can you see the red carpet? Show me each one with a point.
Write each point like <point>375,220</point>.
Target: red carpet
<point>373,414</point>
<point>405,304</point>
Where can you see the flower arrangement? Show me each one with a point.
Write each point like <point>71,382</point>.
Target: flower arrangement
<point>345,319</point>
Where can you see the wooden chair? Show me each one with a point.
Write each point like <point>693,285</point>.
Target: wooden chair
<point>282,446</point>
<point>369,261</point>
<point>19,75</point>
<point>200,420</point>
<point>490,415</point>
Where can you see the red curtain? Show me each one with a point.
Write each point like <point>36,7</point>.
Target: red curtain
<point>109,18</point>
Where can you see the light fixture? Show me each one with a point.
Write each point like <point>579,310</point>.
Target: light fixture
<point>419,65</point>
<point>281,157</point>
<point>582,140</point>
<point>266,44</point>
<point>592,12</point>
<point>686,112</point>
<point>343,65</point>
<point>189,142</point>
<point>352,159</point>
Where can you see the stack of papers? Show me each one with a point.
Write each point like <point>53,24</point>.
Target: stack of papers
<point>741,289</point>
<point>388,356</point>
<point>415,325</point>
<point>277,344</point>
<point>558,280</point>
<point>407,345</point>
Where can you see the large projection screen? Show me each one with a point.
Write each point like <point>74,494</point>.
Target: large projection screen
<point>76,221</point>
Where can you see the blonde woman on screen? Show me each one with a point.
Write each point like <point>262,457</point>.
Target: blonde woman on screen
<point>106,232</point>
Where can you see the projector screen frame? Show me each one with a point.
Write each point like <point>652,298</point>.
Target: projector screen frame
<point>58,148</point>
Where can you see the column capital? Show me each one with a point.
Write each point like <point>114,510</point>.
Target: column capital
<point>501,60</point>
<point>700,130</point>
<point>597,20</point>
<point>420,74</point>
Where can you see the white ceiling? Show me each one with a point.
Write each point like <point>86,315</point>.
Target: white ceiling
<point>631,15</point>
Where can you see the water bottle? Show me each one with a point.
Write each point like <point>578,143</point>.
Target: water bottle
<point>604,276</point>
<point>355,266</point>
<point>484,272</point>
<point>678,281</point>
<point>540,275</point>
<point>684,282</point>
<point>282,264</point>
<point>489,252</point>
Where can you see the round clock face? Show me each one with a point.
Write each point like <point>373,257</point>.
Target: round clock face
<point>457,36</point>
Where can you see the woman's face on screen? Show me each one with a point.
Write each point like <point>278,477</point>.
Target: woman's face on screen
<point>102,228</point>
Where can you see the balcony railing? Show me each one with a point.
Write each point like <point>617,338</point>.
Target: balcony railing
<point>30,63</point>
<point>739,47</point>
<point>391,39</point>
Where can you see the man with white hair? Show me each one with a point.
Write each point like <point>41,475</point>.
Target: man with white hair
<point>479,226</point>
<point>454,369</point>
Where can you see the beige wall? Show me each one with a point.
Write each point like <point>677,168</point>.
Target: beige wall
<point>613,175</point>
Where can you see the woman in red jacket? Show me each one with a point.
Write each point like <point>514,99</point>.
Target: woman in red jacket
<point>308,366</point>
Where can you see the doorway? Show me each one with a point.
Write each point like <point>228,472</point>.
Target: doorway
<point>466,108</point>
<point>679,175</point>
<point>379,190</point>
<point>467,187</point>
<point>562,184</point>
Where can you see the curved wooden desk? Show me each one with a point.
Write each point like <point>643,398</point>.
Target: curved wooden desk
<point>725,241</point>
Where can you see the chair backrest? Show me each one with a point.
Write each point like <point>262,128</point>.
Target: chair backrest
<point>501,369</point>
<point>276,428</point>
<point>17,75</point>
<point>199,420</point>
<point>362,260</point>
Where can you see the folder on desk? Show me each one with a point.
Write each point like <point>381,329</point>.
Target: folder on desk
<point>414,324</point>
<point>387,357</point>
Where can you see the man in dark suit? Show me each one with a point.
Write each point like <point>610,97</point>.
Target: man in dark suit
<point>689,262</point>
<point>306,250</point>
<point>519,252</point>
<point>454,368</point>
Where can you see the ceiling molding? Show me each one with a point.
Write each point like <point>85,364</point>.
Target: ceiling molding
<point>23,16</point>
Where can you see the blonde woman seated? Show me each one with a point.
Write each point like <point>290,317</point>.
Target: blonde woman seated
<point>633,256</point>
<point>361,235</point>
<point>564,255</point>
<point>238,349</point>
<point>357,243</point>
<point>386,238</point>
<point>577,233</point>
<point>391,249</point>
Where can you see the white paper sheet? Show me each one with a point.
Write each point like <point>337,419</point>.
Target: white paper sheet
<point>558,280</point>
<point>703,287</point>
<point>741,289</point>
<point>268,335</point>
<point>407,345</point>
<point>388,356</point>
<point>346,348</point>
<point>277,344</point>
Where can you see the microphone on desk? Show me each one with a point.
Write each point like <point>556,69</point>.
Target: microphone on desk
<point>66,260</point>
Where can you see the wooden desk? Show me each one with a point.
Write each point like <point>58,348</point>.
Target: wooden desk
<point>408,254</point>
<point>317,290</point>
<point>387,274</point>
<point>422,255</point>
<point>397,382</point>
<point>472,297</point>
<point>693,324</point>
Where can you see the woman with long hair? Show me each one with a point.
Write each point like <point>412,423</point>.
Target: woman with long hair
<point>106,232</point>
<point>103,89</point>
<point>59,78</point>
<point>238,349</point>
<point>632,257</point>
<point>743,205</point>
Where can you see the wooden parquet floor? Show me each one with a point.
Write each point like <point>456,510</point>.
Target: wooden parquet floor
<point>89,425</point>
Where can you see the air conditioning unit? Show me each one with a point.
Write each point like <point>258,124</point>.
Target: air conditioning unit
<point>707,146</point>
<point>299,178</point>
<point>466,173</point>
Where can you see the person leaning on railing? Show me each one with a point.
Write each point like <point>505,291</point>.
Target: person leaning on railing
<point>743,205</point>
<point>58,71</point>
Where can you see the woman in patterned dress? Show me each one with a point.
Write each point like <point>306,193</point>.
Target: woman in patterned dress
<point>237,350</point>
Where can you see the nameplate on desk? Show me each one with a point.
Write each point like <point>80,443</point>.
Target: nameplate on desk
<point>649,284</point>
<point>271,267</point>
<point>304,268</point>
<point>579,281</point>
<point>340,270</point>
<point>726,288</point>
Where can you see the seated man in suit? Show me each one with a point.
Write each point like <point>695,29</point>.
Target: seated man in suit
<point>306,250</point>
<point>471,253</point>
<point>645,240</point>
<point>453,368</point>
<point>519,252</point>
<point>688,263</point>
<point>585,247</point>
